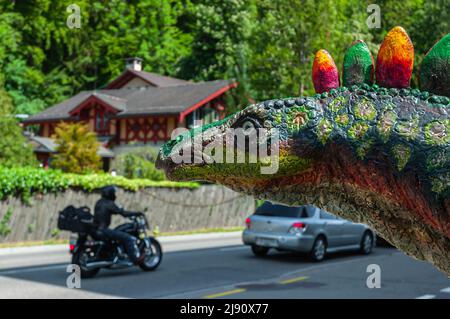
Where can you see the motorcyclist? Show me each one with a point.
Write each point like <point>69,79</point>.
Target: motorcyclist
<point>104,209</point>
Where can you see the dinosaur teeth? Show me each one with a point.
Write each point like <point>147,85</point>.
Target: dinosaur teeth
<point>395,60</point>
<point>325,74</point>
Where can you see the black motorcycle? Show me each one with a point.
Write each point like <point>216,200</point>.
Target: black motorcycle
<point>92,252</point>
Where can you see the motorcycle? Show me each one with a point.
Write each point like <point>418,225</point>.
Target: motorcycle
<point>91,252</point>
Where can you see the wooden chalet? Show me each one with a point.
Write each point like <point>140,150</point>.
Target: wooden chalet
<point>138,107</point>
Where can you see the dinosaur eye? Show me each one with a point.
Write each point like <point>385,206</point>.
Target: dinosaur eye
<point>248,127</point>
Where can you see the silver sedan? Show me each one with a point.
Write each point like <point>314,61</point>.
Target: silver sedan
<point>304,229</point>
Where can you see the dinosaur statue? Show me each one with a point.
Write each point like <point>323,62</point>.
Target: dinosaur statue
<point>372,153</point>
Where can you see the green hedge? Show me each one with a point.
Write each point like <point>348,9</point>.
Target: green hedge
<point>138,162</point>
<point>25,181</point>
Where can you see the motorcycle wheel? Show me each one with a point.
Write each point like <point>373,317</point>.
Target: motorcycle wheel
<point>153,255</point>
<point>77,259</point>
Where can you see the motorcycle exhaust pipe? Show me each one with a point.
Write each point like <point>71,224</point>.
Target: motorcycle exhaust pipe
<point>122,264</point>
<point>99,264</point>
<point>115,263</point>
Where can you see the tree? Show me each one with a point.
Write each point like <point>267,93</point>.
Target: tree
<point>14,149</point>
<point>289,33</point>
<point>267,46</point>
<point>220,46</point>
<point>76,149</point>
<point>44,61</point>
<point>138,162</point>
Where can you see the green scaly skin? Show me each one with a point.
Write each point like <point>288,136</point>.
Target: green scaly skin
<point>373,155</point>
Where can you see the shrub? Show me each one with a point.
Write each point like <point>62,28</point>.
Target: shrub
<point>138,163</point>
<point>77,149</point>
<point>24,181</point>
<point>14,149</point>
<point>4,223</point>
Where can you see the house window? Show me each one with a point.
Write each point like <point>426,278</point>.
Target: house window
<point>201,116</point>
<point>84,115</point>
<point>101,122</point>
<point>192,120</point>
<point>209,115</point>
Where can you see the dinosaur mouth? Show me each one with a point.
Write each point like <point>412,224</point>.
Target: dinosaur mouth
<point>170,167</point>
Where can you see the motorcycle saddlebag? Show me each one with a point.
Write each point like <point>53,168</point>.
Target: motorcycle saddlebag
<point>77,220</point>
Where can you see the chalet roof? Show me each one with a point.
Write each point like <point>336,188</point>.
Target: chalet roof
<point>140,101</point>
<point>47,145</point>
<point>153,79</point>
<point>116,102</point>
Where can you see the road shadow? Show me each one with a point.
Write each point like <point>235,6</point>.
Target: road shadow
<point>293,257</point>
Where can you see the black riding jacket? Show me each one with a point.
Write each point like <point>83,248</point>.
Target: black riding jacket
<point>104,208</point>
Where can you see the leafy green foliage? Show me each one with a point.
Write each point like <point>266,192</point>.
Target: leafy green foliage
<point>138,163</point>
<point>76,149</point>
<point>4,223</point>
<point>55,232</point>
<point>25,181</point>
<point>267,46</point>
<point>221,30</point>
<point>14,149</point>
<point>45,62</point>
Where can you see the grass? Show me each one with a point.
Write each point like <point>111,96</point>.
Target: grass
<point>162,234</point>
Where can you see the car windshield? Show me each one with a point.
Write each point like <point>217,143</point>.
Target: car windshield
<point>269,209</point>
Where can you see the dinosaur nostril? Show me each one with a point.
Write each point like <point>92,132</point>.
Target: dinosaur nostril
<point>174,142</point>
<point>171,143</point>
<point>167,148</point>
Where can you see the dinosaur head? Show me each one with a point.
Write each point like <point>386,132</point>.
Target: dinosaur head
<point>372,153</point>
<point>246,150</point>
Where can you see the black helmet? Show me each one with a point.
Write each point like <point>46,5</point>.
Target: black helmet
<point>109,192</point>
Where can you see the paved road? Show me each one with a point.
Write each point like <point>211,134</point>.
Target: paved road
<point>218,266</point>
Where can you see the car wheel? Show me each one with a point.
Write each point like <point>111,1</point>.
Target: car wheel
<point>259,251</point>
<point>319,249</point>
<point>366,243</point>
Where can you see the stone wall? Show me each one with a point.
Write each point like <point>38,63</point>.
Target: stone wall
<point>169,209</point>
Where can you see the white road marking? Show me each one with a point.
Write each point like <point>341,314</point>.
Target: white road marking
<point>426,297</point>
<point>447,290</point>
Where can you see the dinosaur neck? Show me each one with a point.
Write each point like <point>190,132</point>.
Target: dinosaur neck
<point>368,192</point>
